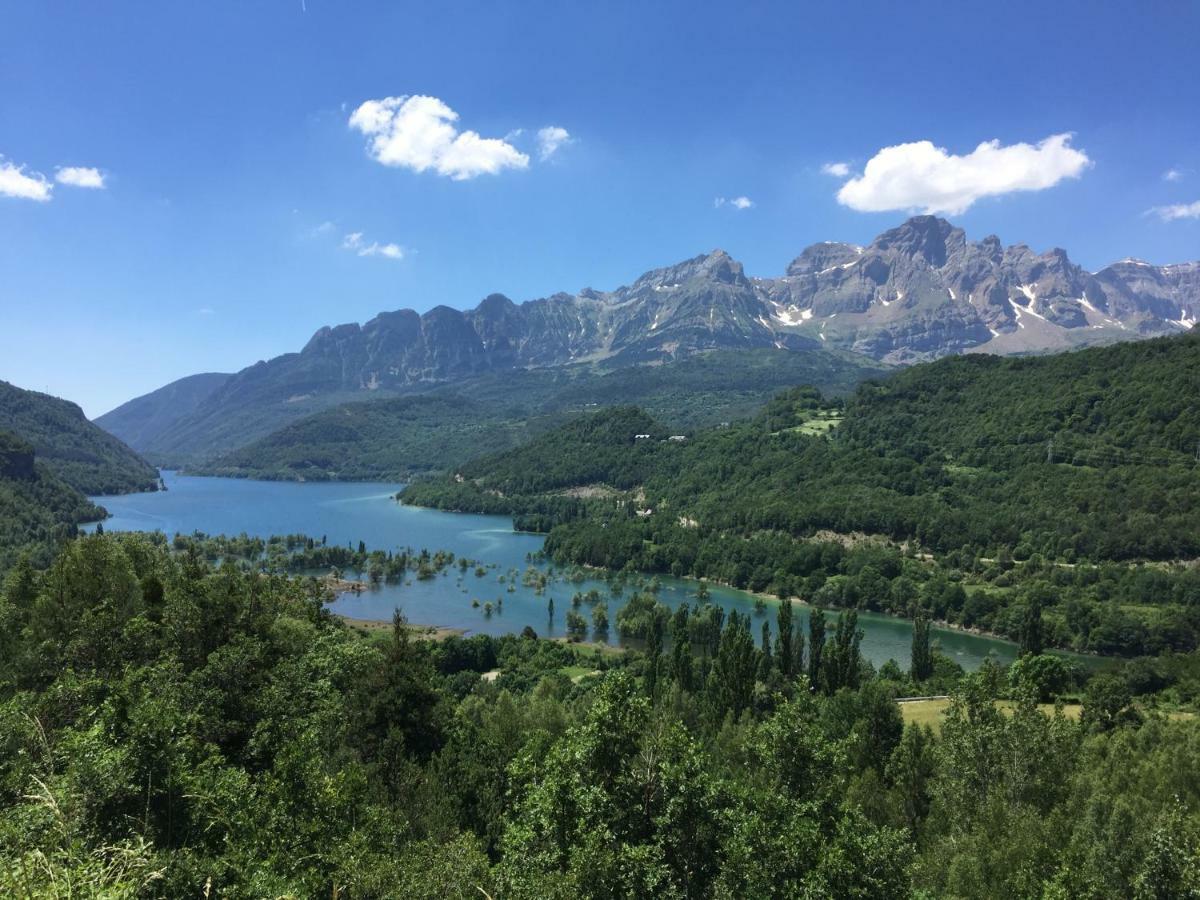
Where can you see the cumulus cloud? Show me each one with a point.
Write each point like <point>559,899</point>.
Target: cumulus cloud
<point>736,202</point>
<point>922,176</point>
<point>80,176</point>
<point>419,133</point>
<point>354,241</point>
<point>1178,211</point>
<point>550,139</point>
<point>1173,175</point>
<point>15,182</point>
<point>836,169</point>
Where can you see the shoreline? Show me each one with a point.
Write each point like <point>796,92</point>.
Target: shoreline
<point>426,632</point>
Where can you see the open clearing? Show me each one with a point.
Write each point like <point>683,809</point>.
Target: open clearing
<point>930,712</point>
<point>822,422</point>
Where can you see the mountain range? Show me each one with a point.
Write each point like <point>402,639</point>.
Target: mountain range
<point>919,291</point>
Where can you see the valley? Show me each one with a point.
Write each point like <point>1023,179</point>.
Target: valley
<point>345,514</point>
<point>599,451</point>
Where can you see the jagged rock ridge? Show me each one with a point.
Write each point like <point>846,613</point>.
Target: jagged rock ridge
<point>918,291</point>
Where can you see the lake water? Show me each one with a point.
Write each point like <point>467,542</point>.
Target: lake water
<point>353,512</point>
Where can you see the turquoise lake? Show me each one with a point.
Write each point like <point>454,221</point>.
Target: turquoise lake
<point>352,512</point>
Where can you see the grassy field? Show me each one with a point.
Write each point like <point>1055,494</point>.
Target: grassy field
<point>578,673</point>
<point>822,422</point>
<point>930,712</point>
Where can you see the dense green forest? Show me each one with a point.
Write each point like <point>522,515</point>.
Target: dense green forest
<point>1071,482</point>
<point>38,510</point>
<point>82,454</point>
<point>171,727</point>
<point>398,437</point>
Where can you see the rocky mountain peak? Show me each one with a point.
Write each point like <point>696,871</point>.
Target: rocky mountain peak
<point>823,257</point>
<point>928,238</point>
<point>717,266</point>
<point>918,291</point>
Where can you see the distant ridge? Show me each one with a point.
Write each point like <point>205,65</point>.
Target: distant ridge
<point>82,454</point>
<point>918,291</point>
<point>140,420</point>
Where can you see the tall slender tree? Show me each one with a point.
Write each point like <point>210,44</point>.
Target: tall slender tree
<point>654,640</point>
<point>922,654</point>
<point>765,662</point>
<point>783,640</point>
<point>681,648</point>
<point>1031,635</point>
<point>816,645</point>
<point>843,663</point>
<point>731,682</point>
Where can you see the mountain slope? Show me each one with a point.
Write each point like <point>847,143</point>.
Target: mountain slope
<point>387,439</point>
<point>917,292</point>
<point>85,456</point>
<point>140,421</point>
<point>37,508</point>
<point>1084,455</point>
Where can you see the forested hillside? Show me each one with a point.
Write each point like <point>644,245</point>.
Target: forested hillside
<point>174,729</point>
<point>82,454</point>
<point>1051,463</point>
<point>37,509</point>
<point>389,438</point>
<point>140,421</point>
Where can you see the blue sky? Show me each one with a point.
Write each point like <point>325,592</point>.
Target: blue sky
<point>230,181</point>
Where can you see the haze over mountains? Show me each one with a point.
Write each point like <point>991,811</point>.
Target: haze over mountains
<point>919,291</point>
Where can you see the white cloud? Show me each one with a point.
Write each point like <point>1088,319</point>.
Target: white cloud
<point>354,241</point>
<point>14,182</point>
<point>418,133</point>
<point>736,202</point>
<point>1173,175</point>
<point>1178,211</point>
<point>80,176</point>
<point>836,169</point>
<point>550,139</point>
<point>922,176</point>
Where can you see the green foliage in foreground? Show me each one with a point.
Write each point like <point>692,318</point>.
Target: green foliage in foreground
<point>82,454</point>
<point>172,729</point>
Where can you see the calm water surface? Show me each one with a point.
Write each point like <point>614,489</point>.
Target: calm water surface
<point>356,512</point>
